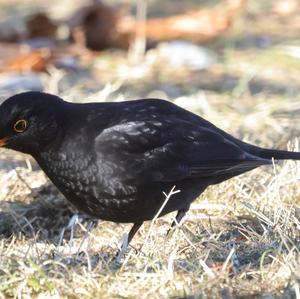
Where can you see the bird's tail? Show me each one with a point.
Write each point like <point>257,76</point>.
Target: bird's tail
<point>271,153</point>
<point>278,154</point>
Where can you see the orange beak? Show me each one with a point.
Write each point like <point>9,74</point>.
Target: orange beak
<point>3,142</point>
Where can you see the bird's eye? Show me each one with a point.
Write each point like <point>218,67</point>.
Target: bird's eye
<point>20,125</point>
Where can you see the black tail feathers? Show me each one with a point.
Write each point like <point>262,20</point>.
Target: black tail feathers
<point>278,154</point>
<point>271,153</point>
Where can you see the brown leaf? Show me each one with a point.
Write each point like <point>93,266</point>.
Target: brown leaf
<point>15,58</point>
<point>96,27</point>
<point>40,25</point>
<point>200,25</point>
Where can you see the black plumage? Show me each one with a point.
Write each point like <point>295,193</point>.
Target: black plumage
<point>113,161</point>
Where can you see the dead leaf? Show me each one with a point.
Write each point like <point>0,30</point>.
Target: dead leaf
<point>36,60</point>
<point>40,25</point>
<point>96,27</point>
<point>200,25</point>
<point>19,58</point>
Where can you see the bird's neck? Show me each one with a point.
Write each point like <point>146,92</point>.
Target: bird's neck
<point>88,118</point>
<point>79,125</point>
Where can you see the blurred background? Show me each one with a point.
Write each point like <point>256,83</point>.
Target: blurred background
<point>208,56</point>
<point>234,62</point>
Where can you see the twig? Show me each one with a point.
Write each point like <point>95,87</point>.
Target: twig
<point>168,196</point>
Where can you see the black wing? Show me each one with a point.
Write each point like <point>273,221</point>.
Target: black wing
<point>169,150</point>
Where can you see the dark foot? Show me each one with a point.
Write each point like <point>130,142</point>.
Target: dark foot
<point>126,240</point>
<point>178,218</point>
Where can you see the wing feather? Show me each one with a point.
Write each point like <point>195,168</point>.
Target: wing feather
<point>148,151</point>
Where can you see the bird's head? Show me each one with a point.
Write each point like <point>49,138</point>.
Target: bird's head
<point>29,121</point>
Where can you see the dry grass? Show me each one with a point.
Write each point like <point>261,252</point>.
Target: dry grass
<point>240,239</point>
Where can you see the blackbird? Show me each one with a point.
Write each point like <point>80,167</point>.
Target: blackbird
<point>114,161</point>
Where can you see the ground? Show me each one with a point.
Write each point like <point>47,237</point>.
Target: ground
<point>240,239</point>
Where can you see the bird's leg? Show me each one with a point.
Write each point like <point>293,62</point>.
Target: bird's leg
<point>178,218</point>
<point>72,222</point>
<point>133,231</point>
<point>127,239</point>
<point>91,225</point>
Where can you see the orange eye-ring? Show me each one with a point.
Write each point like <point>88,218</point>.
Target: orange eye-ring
<point>20,125</point>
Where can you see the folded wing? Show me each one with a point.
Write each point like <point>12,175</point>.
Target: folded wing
<point>150,151</point>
